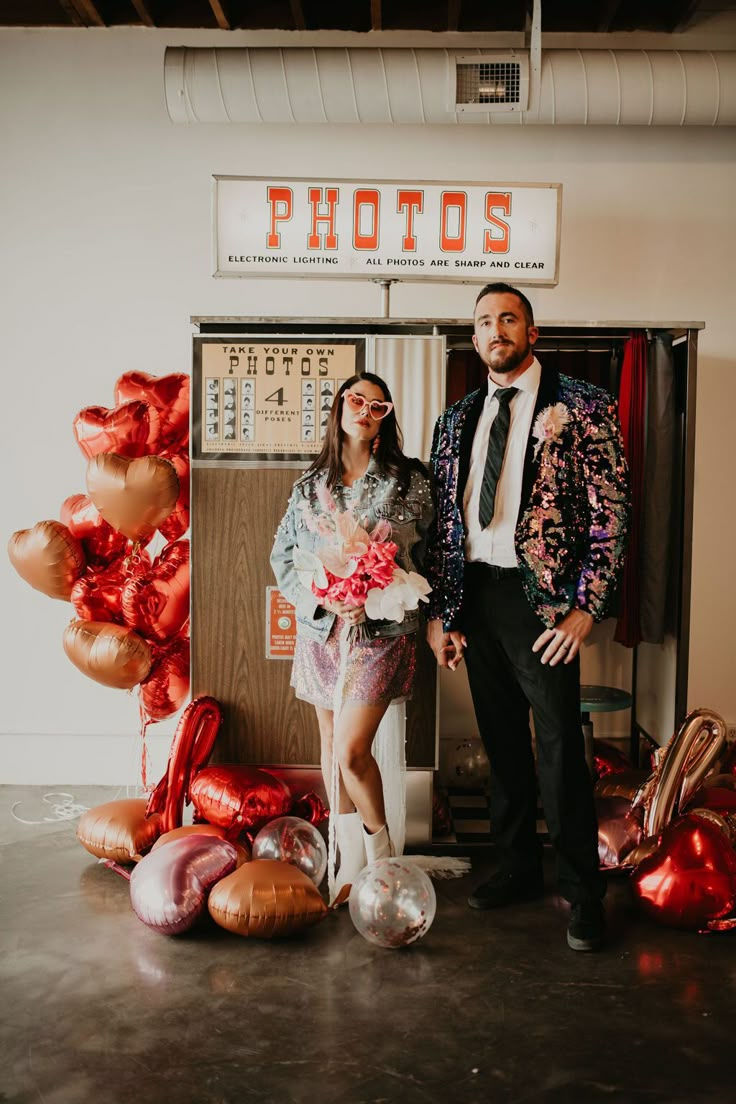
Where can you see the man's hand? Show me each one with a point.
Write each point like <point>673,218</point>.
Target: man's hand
<point>564,640</point>
<point>447,647</point>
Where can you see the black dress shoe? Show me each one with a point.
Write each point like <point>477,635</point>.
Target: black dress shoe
<point>506,889</point>
<point>587,928</point>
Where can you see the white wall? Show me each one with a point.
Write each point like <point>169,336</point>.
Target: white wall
<point>105,209</point>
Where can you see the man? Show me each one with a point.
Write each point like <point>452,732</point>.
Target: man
<point>532,508</point>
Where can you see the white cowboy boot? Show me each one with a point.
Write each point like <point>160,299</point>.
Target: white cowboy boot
<point>378,844</point>
<point>349,837</point>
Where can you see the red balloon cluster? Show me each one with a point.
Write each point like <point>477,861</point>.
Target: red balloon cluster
<point>132,609</point>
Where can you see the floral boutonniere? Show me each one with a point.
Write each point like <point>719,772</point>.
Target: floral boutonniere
<point>549,424</point>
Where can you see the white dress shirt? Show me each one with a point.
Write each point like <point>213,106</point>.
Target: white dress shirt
<point>495,543</point>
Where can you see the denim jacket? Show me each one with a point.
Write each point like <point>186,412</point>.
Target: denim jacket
<point>374,497</point>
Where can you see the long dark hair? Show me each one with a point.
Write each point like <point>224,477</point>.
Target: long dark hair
<point>389,453</point>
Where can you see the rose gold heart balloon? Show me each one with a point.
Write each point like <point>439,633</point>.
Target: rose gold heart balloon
<point>134,496</point>
<point>691,877</point>
<point>48,557</point>
<point>166,688</point>
<point>97,596</point>
<point>168,888</point>
<point>107,653</point>
<point>157,604</point>
<point>130,429</point>
<point>266,899</point>
<point>120,831</point>
<point>101,543</point>
<point>169,394</point>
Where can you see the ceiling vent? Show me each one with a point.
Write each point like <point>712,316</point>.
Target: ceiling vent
<point>492,82</point>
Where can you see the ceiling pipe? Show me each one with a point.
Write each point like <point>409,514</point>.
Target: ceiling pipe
<point>395,86</point>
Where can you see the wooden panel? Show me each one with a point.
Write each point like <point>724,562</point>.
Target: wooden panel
<point>234,518</point>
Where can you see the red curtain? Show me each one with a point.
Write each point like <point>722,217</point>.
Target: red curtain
<point>632,412</point>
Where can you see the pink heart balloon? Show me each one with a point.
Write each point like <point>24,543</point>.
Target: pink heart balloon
<point>168,888</point>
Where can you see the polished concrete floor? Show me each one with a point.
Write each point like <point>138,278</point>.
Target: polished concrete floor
<point>98,1008</point>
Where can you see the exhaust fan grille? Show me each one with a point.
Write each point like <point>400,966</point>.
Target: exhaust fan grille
<point>491,83</point>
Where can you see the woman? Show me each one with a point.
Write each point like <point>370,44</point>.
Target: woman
<point>363,468</point>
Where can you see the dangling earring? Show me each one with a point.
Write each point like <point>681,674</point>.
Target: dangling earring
<point>376,443</point>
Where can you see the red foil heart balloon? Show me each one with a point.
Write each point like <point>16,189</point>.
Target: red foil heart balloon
<point>165,690</point>
<point>239,797</point>
<point>97,596</point>
<point>168,887</point>
<point>691,877</point>
<point>157,604</point>
<point>101,543</point>
<point>170,396</point>
<point>49,557</point>
<point>177,522</point>
<point>134,496</point>
<point>130,429</point>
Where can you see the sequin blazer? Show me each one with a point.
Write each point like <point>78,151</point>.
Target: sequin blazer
<point>574,511</point>
<point>373,497</point>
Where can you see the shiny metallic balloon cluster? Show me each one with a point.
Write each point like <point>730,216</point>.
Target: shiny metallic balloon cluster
<point>675,830</point>
<point>132,610</point>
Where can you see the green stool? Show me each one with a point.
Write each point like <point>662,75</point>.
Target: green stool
<point>599,699</point>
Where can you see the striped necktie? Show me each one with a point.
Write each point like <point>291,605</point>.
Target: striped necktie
<point>494,457</point>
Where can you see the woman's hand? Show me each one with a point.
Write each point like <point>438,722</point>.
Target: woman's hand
<point>354,615</point>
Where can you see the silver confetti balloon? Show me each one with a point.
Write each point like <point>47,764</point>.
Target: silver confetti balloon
<point>392,902</point>
<point>296,841</point>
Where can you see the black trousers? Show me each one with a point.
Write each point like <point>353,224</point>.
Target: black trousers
<point>506,679</point>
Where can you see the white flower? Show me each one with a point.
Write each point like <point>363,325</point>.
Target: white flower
<point>549,424</point>
<point>309,569</point>
<point>341,558</point>
<point>406,590</point>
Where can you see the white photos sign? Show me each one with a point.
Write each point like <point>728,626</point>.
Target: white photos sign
<point>387,229</point>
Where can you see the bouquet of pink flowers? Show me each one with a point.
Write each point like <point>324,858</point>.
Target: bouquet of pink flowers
<point>357,567</point>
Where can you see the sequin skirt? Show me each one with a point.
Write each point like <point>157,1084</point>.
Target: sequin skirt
<point>379,670</point>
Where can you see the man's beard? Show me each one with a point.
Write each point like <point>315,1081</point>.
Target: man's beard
<point>514,357</point>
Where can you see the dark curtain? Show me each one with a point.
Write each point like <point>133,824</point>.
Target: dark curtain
<point>632,412</point>
<point>661,495</point>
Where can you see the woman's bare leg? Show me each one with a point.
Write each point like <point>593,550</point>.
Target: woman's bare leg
<point>325,719</point>
<point>356,728</point>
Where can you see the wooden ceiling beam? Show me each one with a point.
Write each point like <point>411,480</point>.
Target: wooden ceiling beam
<point>453,14</point>
<point>680,16</point>
<point>607,12</point>
<point>141,10</point>
<point>83,13</point>
<point>218,10</point>
<point>297,14</point>
<point>71,13</point>
<point>376,15</point>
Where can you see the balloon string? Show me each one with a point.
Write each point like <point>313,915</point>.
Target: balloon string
<point>145,722</point>
<point>66,809</point>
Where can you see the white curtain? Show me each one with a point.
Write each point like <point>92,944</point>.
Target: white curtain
<point>414,369</point>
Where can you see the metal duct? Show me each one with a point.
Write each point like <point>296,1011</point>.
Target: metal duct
<point>340,85</point>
